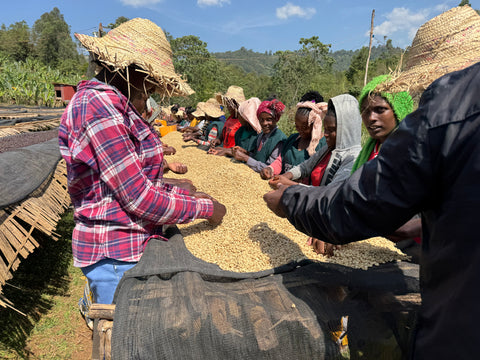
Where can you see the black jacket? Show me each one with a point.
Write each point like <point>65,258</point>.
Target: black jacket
<point>431,164</point>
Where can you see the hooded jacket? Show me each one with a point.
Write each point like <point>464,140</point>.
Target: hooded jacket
<point>429,165</point>
<point>349,127</point>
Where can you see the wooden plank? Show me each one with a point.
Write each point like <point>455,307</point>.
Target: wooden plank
<point>101,311</point>
<point>5,247</point>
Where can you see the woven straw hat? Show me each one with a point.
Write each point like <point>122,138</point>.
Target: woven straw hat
<point>211,108</point>
<point>446,43</point>
<point>143,43</point>
<point>198,112</point>
<point>233,93</point>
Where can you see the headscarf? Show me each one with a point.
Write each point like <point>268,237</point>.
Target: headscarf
<point>273,107</point>
<point>401,103</point>
<point>248,110</point>
<point>315,118</point>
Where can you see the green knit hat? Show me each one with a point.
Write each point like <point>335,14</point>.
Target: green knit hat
<point>401,102</point>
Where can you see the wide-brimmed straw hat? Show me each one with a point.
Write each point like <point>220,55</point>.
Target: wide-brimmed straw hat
<point>446,43</point>
<point>233,93</point>
<point>198,112</point>
<point>143,43</point>
<point>211,108</point>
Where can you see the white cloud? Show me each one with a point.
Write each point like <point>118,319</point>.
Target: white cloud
<point>441,8</point>
<point>139,3</point>
<point>400,19</point>
<point>290,10</point>
<point>212,2</point>
<point>402,23</point>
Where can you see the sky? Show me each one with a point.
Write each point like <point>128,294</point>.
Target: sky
<point>258,25</point>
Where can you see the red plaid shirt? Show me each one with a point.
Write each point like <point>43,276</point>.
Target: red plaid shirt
<point>115,178</point>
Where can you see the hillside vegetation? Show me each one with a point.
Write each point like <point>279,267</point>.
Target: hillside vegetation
<point>262,63</point>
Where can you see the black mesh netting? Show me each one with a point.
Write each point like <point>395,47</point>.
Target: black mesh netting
<point>26,160</point>
<point>172,305</point>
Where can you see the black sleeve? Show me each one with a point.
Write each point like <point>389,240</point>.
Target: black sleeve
<point>377,199</point>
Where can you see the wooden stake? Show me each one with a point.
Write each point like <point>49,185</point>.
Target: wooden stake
<point>369,49</point>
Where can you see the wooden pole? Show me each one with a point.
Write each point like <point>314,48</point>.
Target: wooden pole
<point>369,49</point>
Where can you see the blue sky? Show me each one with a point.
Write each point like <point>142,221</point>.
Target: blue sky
<point>254,24</point>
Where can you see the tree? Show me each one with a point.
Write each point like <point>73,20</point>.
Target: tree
<point>318,51</point>
<point>296,72</point>
<point>53,43</point>
<point>120,20</point>
<point>15,41</point>
<point>192,59</point>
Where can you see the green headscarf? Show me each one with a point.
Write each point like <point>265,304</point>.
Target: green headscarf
<point>401,103</point>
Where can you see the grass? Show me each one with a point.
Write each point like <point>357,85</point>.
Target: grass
<point>46,287</point>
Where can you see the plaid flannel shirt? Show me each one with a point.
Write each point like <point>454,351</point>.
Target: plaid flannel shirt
<point>115,178</point>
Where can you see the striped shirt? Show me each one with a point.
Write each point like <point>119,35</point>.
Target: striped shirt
<point>115,178</point>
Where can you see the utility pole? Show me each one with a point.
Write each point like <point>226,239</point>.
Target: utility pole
<point>369,49</point>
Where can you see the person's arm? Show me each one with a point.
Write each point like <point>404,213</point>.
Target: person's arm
<point>258,165</point>
<point>379,197</point>
<point>212,135</point>
<point>112,152</point>
<point>304,169</point>
<point>274,168</point>
<point>410,230</point>
<point>345,169</point>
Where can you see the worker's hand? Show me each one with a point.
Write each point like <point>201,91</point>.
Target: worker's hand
<point>169,150</point>
<point>239,149</point>
<point>219,211</point>
<point>278,180</point>
<point>178,168</point>
<point>266,173</point>
<point>240,156</point>
<point>274,201</point>
<point>322,247</point>
<point>212,151</point>
<point>188,137</point>
<point>185,184</point>
<point>410,230</point>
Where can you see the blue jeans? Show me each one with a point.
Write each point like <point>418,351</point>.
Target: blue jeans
<point>104,276</point>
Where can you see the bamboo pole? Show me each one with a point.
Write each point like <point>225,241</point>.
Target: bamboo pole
<point>369,49</point>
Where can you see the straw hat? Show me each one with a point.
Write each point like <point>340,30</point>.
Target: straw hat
<point>140,42</point>
<point>446,43</point>
<point>211,108</point>
<point>233,93</point>
<point>198,113</point>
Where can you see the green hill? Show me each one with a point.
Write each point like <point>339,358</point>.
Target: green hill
<point>249,60</point>
<point>262,63</point>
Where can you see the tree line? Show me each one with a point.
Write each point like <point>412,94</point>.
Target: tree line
<point>49,43</point>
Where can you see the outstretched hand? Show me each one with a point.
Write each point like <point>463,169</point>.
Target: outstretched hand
<point>278,180</point>
<point>169,150</point>
<point>266,173</point>
<point>274,201</point>
<point>178,168</point>
<point>322,247</point>
<point>219,211</point>
<point>239,154</point>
